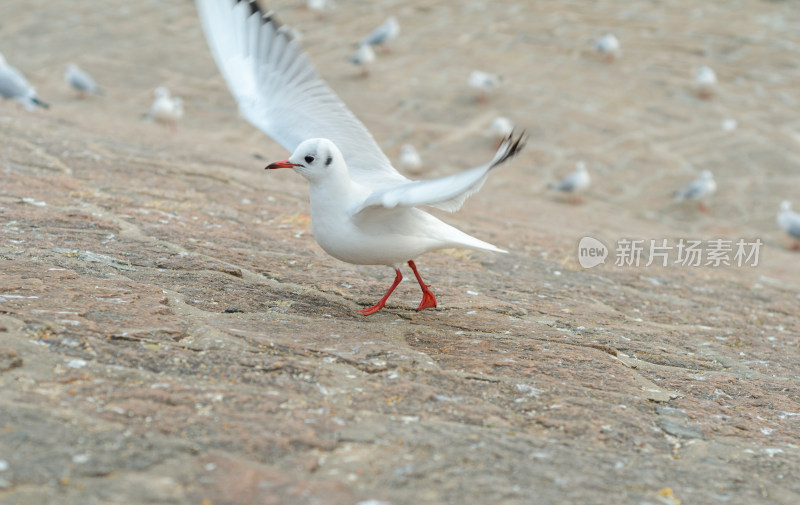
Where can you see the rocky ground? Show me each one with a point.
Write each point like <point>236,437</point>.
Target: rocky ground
<point>171,333</point>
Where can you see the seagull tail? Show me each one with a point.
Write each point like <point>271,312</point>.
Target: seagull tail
<point>458,239</point>
<point>480,245</point>
<point>40,103</point>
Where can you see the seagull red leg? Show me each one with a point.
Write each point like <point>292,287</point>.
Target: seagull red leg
<point>428,300</point>
<point>378,306</point>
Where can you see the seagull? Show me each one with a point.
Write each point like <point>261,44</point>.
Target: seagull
<point>389,30</point>
<point>166,109</point>
<point>501,128</point>
<point>700,188</point>
<point>789,222</point>
<point>484,82</point>
<point>608,45</point>
<point>365,226</point>
<point>575,182</point>
<point>409,159</point>
<point>362,210</point>
<point>705,82</point>
<point>80,80</point>
<point>729,124</point>
<point>13,85</point>
<point>319,5</point>
<point>363,56</point>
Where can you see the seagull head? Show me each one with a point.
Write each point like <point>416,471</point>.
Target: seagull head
<point>786,206</point>
<point>608,43</point>
<point>363,55</point>
<point>408,150</point>
<point>501,126</point>
<point>161,92</point>
<point>705,75</point>
<point>706,175</point>
<point>314,159</point>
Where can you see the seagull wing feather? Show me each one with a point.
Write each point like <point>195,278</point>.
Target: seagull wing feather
<point>568,183</point>
<point>446,193</point>
<point>280,93</point>
<point>696,189</point>
<point>13,84</point>
<point>791,224</point>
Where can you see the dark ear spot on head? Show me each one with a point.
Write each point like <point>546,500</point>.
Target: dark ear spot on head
<point>328,161</point>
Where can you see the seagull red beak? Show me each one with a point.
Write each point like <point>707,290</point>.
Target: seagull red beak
<point>281,164</point>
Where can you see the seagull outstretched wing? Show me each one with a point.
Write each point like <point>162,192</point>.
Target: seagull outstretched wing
<point>279,91</point>
<point>446,193</point>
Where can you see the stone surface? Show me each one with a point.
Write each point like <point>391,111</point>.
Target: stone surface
<point>171,333</point>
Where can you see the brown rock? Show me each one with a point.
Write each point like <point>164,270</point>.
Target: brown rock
<point>9,359</point>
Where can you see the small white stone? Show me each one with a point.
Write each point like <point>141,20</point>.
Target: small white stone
<point>76,363</point>
<point>79,459</point>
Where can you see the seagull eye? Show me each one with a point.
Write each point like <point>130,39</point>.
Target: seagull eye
<point>309,159</point>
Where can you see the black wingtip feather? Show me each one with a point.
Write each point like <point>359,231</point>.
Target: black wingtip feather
<point>513,146</point>
<point>268,17</point>
<point>254,8</point>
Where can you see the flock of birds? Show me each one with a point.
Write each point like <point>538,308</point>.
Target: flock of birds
<point>14,86</point>
<point>609,48</point>
<point>704,86</point>
<point>363,210</point>
<point>377,38</point>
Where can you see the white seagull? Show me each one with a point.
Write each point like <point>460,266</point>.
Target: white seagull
<point>575,182</point>
<point>13,85</point>
<point>410,159</point>
<point>363,56</point>
<point>501,128</point>
<point>389,30</point>
<point>362,210</point>
<point>608,45</point>
<point>166,108</point>
<point>705,82</point>
<point>80,80</point>
<point>319,5</point>
<point>699,189</point>
<point>789,222</point>
<point>484,82</point>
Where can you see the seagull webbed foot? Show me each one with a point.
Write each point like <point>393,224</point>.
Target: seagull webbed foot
<point>428,300</point>
<point>382,302</point>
